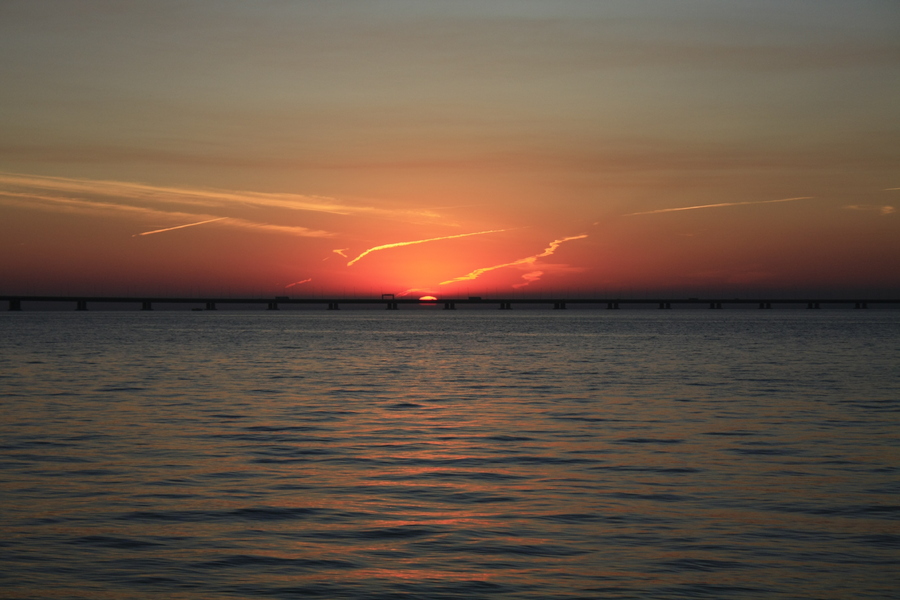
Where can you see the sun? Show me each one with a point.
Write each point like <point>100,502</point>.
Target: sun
<point>428,299</point>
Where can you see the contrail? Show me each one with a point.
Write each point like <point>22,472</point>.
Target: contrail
<point>76,205</point>
<point>530,278</point>
<point>530,260</point>
<point>178,227</point>
<point>136,192</point>
<point>398,244</point>
<point>885,210</point>
<point>340,252</point>
<point>298,283</point>
<point>665,210</point>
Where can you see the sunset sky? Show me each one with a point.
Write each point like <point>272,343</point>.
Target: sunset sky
<point>449,147</point>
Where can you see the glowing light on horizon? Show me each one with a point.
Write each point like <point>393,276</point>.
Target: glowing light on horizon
<point>530,260</point>
<point>720,205</point>
<point>399,244</point>
<point>428,299</point>
<point>179,227</point>
<point>411,291</point>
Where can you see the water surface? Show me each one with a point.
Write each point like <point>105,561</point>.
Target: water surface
<point>458,454</point>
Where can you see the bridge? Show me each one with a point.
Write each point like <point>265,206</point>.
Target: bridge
<point>15,302</point>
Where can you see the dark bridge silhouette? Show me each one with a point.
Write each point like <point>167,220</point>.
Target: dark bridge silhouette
<point>391,303</point>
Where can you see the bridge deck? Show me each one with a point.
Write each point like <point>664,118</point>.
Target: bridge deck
<point>210,302</point>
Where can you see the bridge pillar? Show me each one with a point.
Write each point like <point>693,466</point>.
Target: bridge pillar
<point>864,305</point>
<point>81,305</point>
<point>668,305</point>
<point>762,304</point>
<point>712,304</point>
<point>390,306</point>
<point>210,306</point>
<point>449,305</point>
<point>146,305</point>
<point>273,306</point>
<point>559,305</point>
<point>15,304</point>
<point>506,306</point>
<point>333,306</point>
<point>768,305</point>
<point>662,305</point>
<point>718,305</point>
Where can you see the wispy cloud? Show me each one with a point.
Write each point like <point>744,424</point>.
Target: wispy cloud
<point>529,278</point>
<point>77,205</point>
<point>340,252</point>
<point>400,244</point>
<point>139,192</point>
<point>528,260</point>
<point>720,205</point>
<point>57,203</point>
<point>286,229</point>
<point>179,227</point>
<point>883,209</point>
<point>297,283</point>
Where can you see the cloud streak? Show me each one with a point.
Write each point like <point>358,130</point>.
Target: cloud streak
<point>77,205</point>
<point>414,242</point>
<point>884,210</point>
<point>157,196</point>
<point>529,260</point>
<point>298,283</point>
<point>529,278</point>
<point>720,205</point>
<point>93,207</point>
<point>179,227</point>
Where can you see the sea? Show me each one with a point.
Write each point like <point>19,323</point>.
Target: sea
<point>430,454</point>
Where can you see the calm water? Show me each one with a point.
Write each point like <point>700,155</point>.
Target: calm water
<point>466,454</point>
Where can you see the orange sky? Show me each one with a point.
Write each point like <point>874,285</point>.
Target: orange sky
<point>471,148</point>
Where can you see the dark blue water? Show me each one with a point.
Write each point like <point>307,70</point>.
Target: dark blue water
<point>467,454</point>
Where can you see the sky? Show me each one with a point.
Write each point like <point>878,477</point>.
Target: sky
<point>449,148</point>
